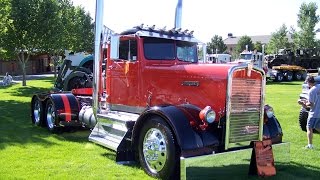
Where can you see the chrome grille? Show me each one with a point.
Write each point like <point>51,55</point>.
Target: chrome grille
<point>244,106</point>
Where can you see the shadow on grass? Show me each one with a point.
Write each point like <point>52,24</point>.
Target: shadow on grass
<point>28,91</point>
<point>74,134</point>
<point>16,127</point>
<point>293,83</point>
<point>6,87</point>
<point>241,171</point>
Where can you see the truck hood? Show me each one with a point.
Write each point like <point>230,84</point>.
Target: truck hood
<point>197,84</point>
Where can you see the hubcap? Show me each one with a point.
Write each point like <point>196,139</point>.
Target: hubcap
<point>50,116</point>
<point>299,76</point>
<point>154,150</point>
<point>36,112</point>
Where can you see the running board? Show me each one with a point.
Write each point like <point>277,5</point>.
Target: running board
<point>113,130</point>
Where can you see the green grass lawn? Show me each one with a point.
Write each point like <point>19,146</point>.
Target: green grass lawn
<point>29,152</point>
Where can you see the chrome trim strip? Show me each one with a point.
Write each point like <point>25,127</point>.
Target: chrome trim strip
<point>125,108</point>
<point>228,100</point>
<point>178,37</point>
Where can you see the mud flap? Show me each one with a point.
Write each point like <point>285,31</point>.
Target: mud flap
<point>262,161</point>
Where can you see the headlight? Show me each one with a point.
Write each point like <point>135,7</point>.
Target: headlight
<point>207,114</point>
<point>269,111</point>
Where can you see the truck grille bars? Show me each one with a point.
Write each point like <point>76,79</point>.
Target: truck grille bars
<point>245,101</point>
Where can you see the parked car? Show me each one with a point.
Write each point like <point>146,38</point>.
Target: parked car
<point>303,115</point>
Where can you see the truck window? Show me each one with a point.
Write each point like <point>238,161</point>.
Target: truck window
<point>159,49</point>
<point>128,50</point>
<point>187,51</point>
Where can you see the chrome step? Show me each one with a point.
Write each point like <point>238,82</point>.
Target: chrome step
<point>112,128</point>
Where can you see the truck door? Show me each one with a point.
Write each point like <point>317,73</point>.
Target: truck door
<point>124,76</point>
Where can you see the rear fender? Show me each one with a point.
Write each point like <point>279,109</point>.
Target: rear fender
<point>66,105</point>
<point>177,120</point>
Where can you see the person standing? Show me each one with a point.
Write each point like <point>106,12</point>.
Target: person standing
<point>313,102</point>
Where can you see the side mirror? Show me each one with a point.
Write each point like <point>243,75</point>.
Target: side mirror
<point>114,46</point>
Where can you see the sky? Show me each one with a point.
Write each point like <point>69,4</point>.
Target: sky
<point>206,17</point>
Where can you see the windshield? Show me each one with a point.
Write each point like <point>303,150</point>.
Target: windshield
<point>168,49</point>
<point>246,56</point>
<point>158,49</point>
<point>186,51</point>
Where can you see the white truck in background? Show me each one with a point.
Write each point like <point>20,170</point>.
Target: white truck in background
<point>218,58</point>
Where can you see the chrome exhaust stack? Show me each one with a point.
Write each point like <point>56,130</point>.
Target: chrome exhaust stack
<point>178,15</point>
<point>97,54</point>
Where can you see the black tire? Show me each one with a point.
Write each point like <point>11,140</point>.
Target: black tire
<point>157,141</point>
<point>51,117</point>
<point>297,76</point>
<point>37,111</point>
<point>288,76</point>
<point>279,77</point>
<point>303,116</point>
<point>77,79</point>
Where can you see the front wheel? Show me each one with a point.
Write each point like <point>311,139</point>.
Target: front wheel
<point>157,151</point>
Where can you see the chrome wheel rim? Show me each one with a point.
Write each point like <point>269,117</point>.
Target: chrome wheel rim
<point>50,116</point>
<point>154,150</point>
<point>36,112</point>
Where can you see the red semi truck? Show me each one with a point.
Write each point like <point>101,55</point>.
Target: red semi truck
<point>155,104</point>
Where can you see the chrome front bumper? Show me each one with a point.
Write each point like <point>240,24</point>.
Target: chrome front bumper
<point>222,165</point>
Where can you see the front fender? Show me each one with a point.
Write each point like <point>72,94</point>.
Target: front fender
<point>186,137</point>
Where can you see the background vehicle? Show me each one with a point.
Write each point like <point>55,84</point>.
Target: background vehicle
<point>306,58</point>
<point>218,58</point>
<point>75,71</point>
<point>287,66</point>
<point>155,104</point>
<point>303,115</point>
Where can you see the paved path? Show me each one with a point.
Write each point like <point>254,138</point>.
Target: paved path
<point>17,79</point>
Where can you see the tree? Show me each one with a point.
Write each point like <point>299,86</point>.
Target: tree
<point>243,42</point>
<point>23,38</point>
<point>69,28</point>
<point>307,20</point>
<point>279,40</point>
<point>258,46</point>
<point>45,26</point>
<point>216,43</point>
<point>4,22</point>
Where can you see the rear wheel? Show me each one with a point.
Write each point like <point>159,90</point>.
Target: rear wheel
<point>51,117</point>
<point>279,77</point>
<point>157,150</point>
<point>36,111</point>
<point>77,79</point>
<point>297,76</point>
<point>288,76</point>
